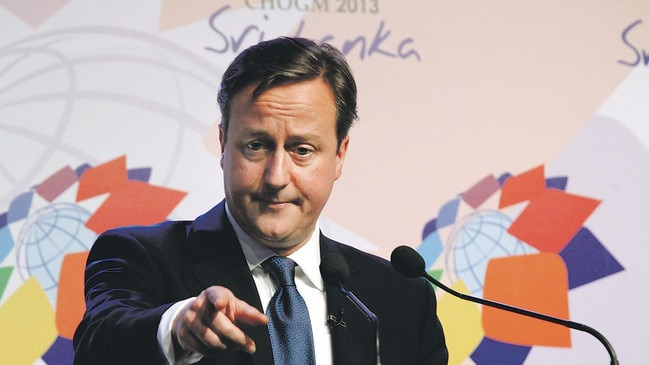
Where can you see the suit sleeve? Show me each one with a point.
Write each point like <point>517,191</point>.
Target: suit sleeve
<point>433,348</point>
<point>123,291</point>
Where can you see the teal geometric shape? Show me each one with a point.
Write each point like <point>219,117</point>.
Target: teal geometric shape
<point>431,248</point>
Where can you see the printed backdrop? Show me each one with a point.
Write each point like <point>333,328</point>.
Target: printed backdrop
<point>507,141</point>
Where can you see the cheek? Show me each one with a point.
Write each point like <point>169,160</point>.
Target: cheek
<point>244,177</point>
<point>316,185</point>
<point>238,174</point>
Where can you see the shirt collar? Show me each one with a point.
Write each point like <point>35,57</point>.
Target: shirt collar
<point>307,257</point>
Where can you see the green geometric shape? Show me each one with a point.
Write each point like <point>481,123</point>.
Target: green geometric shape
<point>5,273</point>
<point>436,274</point>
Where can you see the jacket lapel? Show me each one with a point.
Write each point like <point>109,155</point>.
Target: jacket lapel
<point>352,335</point>
<point>219,260</point>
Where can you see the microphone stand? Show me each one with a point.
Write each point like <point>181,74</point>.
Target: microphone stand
<point>368,314</point>
<point>566,323</point>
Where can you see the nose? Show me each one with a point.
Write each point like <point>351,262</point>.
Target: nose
<point>277,172</point>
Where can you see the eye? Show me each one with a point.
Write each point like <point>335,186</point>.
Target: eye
<point>303,151</point>
<point>254,146</point>
<point>254,150</point>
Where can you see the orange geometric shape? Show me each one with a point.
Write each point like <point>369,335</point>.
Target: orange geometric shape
<point>134,203</point>
<point>523,187</point>
<point>102,178</point>
<point>551,219</point>
<point>537,282</point>
<point>70,303</point>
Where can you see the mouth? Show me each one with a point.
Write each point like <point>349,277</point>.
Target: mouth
<point>275,203</point>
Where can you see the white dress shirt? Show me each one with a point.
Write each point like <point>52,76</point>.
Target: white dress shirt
<point>307,280</point>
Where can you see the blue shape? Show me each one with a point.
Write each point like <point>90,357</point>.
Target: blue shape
<point>6,242</point>
<point>19,207</point>
<point>587,259</point>
<point>81,169</point>
<point>503,178</point>
<point>60,353</point>
<point>50,234</point>
<point>141,174</point>
<point>478,238</point>
<point>429,228</point>
<point>431,248</point>
<point>558,183</point>
<point>448,213</point>
<point>494,352</point>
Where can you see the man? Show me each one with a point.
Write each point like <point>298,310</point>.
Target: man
<point>181,292</point>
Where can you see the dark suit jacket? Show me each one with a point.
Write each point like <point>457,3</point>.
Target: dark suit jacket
<point>134,274</point>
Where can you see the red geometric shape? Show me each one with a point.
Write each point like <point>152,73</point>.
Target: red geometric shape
<point>551,219</point>
<point>523,187</point>
<point>59,182</point>
<point>102,179</point>
<point>537,282</point>
<point>70,303</point>
<point>134,203</point>
<point>481,191</point>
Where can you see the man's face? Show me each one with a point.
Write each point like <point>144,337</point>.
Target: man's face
<point>280,161</point>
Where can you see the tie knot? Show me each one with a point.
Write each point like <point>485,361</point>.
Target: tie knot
<point>282,269</point>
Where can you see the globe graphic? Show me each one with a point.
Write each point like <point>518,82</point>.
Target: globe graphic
<point>474,240</point>
<point>92,94</point>
<point>46,237</point>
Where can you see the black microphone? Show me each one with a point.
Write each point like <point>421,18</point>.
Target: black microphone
<point>409,263</point>
<point>335,271</point>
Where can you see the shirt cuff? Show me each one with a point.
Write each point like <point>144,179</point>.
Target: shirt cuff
<point>165,337</point>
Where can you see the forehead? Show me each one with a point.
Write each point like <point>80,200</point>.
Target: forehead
<point>292,103</point>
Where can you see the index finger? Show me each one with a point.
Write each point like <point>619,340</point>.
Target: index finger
<point>234,308</point>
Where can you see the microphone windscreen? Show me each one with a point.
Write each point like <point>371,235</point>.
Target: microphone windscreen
<point>334,269</point>
<point>407,261</point>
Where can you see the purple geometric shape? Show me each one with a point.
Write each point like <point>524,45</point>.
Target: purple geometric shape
<point>429,228</point>
<point>448,213</point>
<point>81,169</point>
<point>493,352</point>
<point>430,248</point>
<point>19,207</point>
<point>3,219</point>
<point>60,353</point>
<point>558,183</point>
<point>587,259</point>
<point>502,178</point>
<point>142,174</point>
<point>481,191</point>
<point>6,242</point>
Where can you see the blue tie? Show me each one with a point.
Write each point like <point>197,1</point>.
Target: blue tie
<point>288,317</point>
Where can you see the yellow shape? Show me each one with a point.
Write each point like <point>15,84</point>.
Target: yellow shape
<point>27,325</point>
<point>462,324</point>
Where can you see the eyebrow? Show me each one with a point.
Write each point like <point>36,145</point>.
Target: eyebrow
<point>261,133</point>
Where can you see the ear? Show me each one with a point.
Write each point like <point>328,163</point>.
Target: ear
<point>340,156</point>
<point>222,142</point>
<point>221,137</point>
